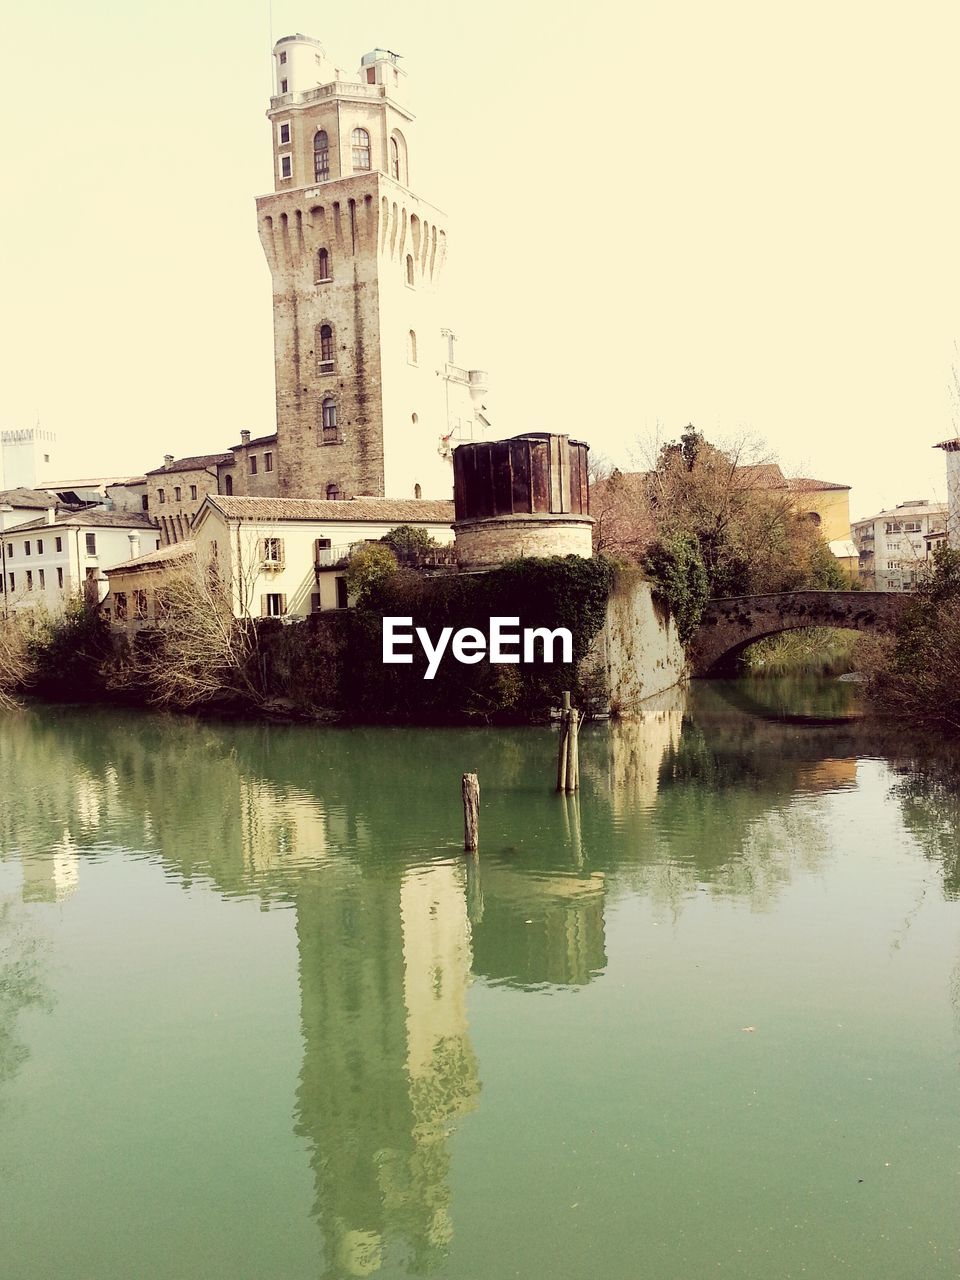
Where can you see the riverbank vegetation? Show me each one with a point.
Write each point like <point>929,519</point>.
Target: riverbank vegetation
<point>709,521</point>
<point>53,655</point>
<point>812,651</point>
<point>915,673</point>
<point>330,665</point>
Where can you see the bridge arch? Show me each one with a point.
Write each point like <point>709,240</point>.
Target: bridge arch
<point>730,624</point>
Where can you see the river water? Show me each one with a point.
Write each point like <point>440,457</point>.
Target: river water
<point>261,1018</point>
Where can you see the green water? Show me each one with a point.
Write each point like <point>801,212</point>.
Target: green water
<point>259,1017</point>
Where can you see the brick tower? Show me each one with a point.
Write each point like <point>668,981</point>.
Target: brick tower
<point>368,397</point>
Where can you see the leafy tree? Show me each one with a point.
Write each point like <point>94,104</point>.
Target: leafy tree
<point>675,565</point>
<point>733,502</point>
<point>916,672</point>
<point>408,542</point>
<point>368,564</point>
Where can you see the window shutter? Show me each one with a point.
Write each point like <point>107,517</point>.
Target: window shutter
<point>263,606</point>
<point>283,606</point>
<point>280,555</point>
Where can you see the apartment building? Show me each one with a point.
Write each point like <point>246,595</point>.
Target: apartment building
<point>894,545</point>
<point>45,561</point>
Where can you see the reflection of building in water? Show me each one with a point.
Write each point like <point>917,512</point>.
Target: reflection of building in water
<point>827,775</point>
<point>387,1062</point>
<point>276,826</point>
<point>635,749</point>
<point>539,929</point>
<point>51,875</point>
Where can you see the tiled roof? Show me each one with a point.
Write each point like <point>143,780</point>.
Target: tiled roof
<point>347,511</point>
<point>800,484</point>
<point>133,481</point>
<point>758,475</point>
<point>29,499</point>
<point>199,463</point>
<point>766,474</point>
<point>92,518</point>
<point>259,440</point>
<point>165,555</point>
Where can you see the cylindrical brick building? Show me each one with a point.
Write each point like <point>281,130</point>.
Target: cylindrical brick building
<point>526,496</point>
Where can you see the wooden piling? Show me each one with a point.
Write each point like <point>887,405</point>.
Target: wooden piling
<point>470,790</point>
<point>573,752</point>
<point>562,748</point>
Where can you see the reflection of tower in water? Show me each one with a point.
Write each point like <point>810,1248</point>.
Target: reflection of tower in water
<point>384,964</point>
<point>542,926</point>
<point>636,747</point>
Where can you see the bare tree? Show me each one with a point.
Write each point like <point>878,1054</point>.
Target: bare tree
<point>17,663</point>
<point>206,647</point>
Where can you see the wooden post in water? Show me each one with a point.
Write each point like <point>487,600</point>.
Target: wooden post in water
<point>470,790</point>
<point>573,751</point>
<point>562,750</point>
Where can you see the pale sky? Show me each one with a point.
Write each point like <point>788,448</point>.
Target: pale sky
<point>742,215</point>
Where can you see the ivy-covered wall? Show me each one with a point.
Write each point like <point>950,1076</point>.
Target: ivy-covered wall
<point>334,663</point>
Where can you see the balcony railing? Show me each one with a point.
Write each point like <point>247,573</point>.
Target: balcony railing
<point>430,558</point>
<point>336,89</point>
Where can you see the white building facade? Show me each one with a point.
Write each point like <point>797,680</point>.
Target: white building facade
<point>285,557</point>
<point>895,545</point>
<point>47,561</point>
<point>26,456</point>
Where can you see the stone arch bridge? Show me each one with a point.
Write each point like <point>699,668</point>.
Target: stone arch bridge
<point>732,623</point>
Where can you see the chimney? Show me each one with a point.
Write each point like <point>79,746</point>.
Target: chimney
<point>244,437</point>
<point>51,515</point>
<point>167,459</point>
<point>134,540</point>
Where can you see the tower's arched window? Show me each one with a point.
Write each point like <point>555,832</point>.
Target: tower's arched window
<point>398,157</point>
<point>323,265</point>
<point>228,485</point>
<point>328,421</point>
<point>361,150</point>
<point>333,492</point>
<point>321,156</point>
<point>325,349</point>
<point>409,268</point>
<point>412,347</point>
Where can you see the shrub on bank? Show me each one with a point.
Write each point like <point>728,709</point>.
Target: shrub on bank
<point>916,672</point>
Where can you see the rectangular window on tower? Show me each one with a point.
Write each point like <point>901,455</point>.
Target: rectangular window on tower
<point>284,133</point>
<point>286,166</point>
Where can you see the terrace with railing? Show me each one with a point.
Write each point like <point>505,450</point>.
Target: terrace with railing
<point>442,557</point>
